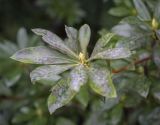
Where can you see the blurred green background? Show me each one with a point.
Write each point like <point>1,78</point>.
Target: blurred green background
<point>22,103</point>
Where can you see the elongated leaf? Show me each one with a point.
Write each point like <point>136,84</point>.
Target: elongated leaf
<point>115,53</point>
<point>119,11</point>
<point>22,38</point>
<point>102,42</point>
<point>7,48</point>
<point>48,74</point>
<point>40,55</point>
<point>84,37</point>
<point>60,96</point>
<point>143,12</point>
<point>71,32</point>
<point>53,40</point>
<point>101,82</point>
<point>72,40</point>
<point>157,11</point>
<point>78,77</point>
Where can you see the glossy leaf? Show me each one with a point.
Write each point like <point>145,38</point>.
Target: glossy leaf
<point>55,41</point>
<point>84,37</point>
<point>142,11</point>
<point>78,77</point>
<point>48,74</point>
<point>60,96</point>
<point>40,55</point>
<point>101,82</point>
<point>115,53</point>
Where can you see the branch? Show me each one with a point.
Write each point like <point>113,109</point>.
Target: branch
<point>135,63</point>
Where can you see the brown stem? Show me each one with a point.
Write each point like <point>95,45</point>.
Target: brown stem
<point>135,63</point>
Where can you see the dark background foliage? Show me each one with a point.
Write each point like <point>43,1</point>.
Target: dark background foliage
<point>138,85</point>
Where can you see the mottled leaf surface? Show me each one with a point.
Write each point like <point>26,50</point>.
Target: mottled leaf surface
<point>72,41</point>
<point>55,41</point>
<point>102,42</point>
<point>78,77</point>
<point>48,74</point>
<point>84,37</point>
<point>60,96</point>
<point>115,53</point>
<point>101,82</point>
<point>40,55</point>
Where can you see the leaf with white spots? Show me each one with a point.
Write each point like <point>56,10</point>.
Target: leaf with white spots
<point>60,96</point>
<point>41,55</point>
<point>101,82</point>
<point>102,42</point>
<point>48,74</point>
<point>84,37</point>
<point>72,41</point>
<point>54,41</point>
<point>115,53</point>
<point>78,77</point>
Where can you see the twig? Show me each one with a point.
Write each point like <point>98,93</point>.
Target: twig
<point>135,63</point>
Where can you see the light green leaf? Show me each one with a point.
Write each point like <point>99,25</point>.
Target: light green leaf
<point>84,37</point>
<point>102,42</point>
<point>55,41</point>
<point>142,11</point>
<point>60,96</point>
<point>22,38</point>
<point>101,82</point>
<point>115,53</point>
<point>119,11</point>
<point>40,55</point>
<point>72,40</point>
<point>78,77</point>
<point>48,74</point>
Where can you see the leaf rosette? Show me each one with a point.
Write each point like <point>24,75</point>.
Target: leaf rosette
<point>67,66</point>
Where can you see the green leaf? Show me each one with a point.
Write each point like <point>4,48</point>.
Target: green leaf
<point>55,42</point>
<point>72,40</point>
<point>84,37</point>
<point>157,11</point>
<point>60,96</point>
<point>102,42</point>
<point>48,74</point>
<point>22,38</point>
<point>115,53</point>
<point>78,77</point>
<point>83,96</point>
<point>7,48</point>
<point>40,55</point>
<point>101,82</point>
<point>119,11</point>
<point>143,12</point>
